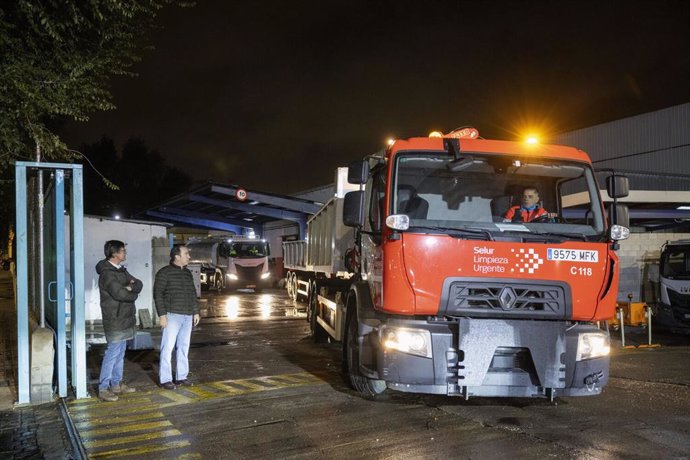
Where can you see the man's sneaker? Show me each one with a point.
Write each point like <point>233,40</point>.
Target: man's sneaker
<point>168,385</point>
<point>122,388</point>
<point>107,395</point>
<point>184,383</point>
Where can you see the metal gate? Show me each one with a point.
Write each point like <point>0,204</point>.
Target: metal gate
<point>50,270</point>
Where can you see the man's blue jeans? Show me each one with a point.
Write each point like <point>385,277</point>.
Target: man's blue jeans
<point>113,362</point>
<point>178,332</point>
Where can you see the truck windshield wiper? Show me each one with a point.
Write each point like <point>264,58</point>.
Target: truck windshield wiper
<point>458,232</point>
<point>579,236</point>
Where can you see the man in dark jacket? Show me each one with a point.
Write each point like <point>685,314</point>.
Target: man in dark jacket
<point>118,291</point>
<point>175,297</point>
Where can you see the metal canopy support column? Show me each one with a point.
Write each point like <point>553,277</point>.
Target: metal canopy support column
<point>302,228</point>
<point>23,365</point>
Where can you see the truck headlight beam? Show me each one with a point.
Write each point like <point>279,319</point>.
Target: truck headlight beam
<point>407,340</point>
<point>593,345</point>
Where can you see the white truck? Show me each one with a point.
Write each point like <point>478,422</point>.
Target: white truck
<point>673,309</point>
<point>230,263</point>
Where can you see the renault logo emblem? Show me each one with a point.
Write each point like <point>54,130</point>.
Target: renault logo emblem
<point>507,298</point>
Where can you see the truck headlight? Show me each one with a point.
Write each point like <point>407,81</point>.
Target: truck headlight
<point>232,277</point>
<point>592,345</point>
<point>412,341</point>
<point>265,275</point>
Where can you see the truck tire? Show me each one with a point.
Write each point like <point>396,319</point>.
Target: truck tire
<point>218,282</point>
<point>290,284</point>
<point>317,332</point>
<point>365,386</point>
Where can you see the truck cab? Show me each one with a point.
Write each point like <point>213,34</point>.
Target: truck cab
<point>673,310</point>
<point>231,263</point>
<point>455,294</point>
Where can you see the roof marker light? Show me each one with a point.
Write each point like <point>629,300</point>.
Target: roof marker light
<point>464,133</point>
<point>435,134</point>
<point>390,141</point>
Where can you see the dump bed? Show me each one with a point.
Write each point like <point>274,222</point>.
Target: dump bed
<point>327,237</point>
<point>327,241</point>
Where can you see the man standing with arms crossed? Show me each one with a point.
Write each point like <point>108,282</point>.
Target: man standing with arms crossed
<point>118,290</point>
<point>175,297</point>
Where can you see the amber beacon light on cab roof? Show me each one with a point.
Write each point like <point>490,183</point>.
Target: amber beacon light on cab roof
<point>456,265</point>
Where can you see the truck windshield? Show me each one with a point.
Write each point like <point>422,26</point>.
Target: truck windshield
<point>675,263</point>
<point>248,249</point>
<point>497,193</point>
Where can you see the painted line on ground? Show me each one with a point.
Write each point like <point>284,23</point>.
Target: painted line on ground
<point>138,420</point>
<point>109,442</point>
<point>141,450</point>
<point>128,428</point>
<point>115,420</point>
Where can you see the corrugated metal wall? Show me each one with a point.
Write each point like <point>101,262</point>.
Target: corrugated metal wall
<point>655,142</point>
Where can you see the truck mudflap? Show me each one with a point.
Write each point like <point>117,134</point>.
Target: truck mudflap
<point>493,358</point>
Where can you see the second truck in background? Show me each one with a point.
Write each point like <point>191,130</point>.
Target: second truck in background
<point>230,263</point>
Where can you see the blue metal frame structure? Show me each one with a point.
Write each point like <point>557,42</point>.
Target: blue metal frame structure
<point>57,287</point>
<point>216,206</point>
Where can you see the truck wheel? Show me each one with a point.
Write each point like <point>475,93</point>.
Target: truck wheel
<point>292,293</point>
<point>218,282</point>
<point>317,332</point>
<point>364,385</point>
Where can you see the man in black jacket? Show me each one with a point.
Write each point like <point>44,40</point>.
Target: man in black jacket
<point>175,297</point>
<point>118,291</point>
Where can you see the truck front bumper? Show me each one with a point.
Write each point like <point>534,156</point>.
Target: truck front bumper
<point>489,357</point>
<point>675,319</point>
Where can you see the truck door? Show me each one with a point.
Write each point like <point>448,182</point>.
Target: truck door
<point>372,253</point>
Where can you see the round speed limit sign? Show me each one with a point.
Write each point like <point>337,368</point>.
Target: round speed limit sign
<point>241,194</point>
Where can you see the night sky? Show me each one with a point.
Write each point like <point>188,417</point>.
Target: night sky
<point>273,95</point>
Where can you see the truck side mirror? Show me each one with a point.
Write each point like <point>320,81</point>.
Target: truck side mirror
<point>353,209</point>
<point>619,215</point>
<point>358,172</point>
<point>617,186</point>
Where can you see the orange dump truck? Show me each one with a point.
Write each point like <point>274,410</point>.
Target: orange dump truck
<point>433,286</point>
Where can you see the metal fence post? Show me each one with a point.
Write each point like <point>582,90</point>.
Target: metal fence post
<point>23,365</point>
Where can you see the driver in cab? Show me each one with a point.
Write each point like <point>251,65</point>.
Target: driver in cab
<point>529,210</point>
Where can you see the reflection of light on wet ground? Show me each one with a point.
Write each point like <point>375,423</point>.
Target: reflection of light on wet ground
<point>295,312</point>
<point>240,306</point>
<point>265,301</point>
<point>266,298</point>
<point>232,307</point>
<point>265,310</point>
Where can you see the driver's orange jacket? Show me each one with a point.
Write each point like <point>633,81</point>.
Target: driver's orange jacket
<point>527,216</point>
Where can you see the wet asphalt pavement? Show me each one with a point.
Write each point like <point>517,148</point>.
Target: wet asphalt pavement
<point>264,390</point>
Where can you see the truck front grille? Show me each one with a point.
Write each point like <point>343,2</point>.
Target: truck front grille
<point>510,299</point>
<point>252,274</point>
<point>678,300</point>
